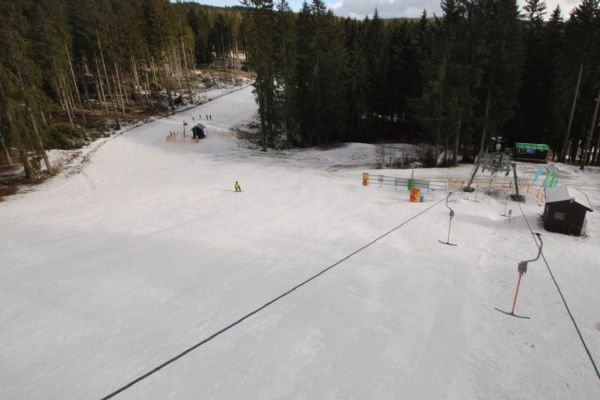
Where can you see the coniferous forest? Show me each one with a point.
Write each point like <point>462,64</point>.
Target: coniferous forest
<point>484,68</point>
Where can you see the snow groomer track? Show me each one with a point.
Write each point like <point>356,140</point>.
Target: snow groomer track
<point>128,269</point>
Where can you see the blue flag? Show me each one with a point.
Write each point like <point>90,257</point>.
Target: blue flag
<point>537,174</point>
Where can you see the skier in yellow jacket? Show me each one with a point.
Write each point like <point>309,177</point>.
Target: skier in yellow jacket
<point>237,186</point>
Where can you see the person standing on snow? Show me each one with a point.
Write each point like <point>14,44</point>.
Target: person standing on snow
<point>237,186</point>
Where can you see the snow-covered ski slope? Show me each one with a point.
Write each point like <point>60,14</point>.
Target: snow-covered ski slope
<point>107,273</point>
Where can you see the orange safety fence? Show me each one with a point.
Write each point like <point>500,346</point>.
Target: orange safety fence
<point>534,191</point>
<point>175,138</point>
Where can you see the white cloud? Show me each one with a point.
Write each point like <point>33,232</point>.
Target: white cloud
<point>566,6</point>
<point>385,8</point>
<point>414,8</point>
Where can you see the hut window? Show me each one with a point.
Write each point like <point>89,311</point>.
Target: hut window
<point>559,216</point>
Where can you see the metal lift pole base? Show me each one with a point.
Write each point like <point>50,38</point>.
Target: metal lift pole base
<point>511,314</point>
<point>448,243</point>
<point>518,198</point>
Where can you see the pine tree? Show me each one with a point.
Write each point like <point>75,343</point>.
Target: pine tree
<point>554,118</point>
<point>20,79</point>
<point>533,99</point>
<point>502,71</point>
<point>357,80</point>
<point>304,72</point>
<point>376,59</point>
<point>580,58</point>
<point>286,70</point>
<point>262,55</point>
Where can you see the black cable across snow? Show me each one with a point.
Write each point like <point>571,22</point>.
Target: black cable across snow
<point>587,350</point>
<point>255,311</point>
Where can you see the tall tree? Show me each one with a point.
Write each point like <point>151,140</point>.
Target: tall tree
<point>262,59</point>
<point>502,71</point>
<point>582,43</point>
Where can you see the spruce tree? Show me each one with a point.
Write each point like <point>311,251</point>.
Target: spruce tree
<point>262,60</point>
<point>578,65</point>
<point>502,71</point>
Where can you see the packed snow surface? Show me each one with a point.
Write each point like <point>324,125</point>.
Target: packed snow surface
<point>144,250</point>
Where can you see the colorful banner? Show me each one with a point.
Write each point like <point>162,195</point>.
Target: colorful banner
<point>537,174</point>
<point>547,180</point>
<point>553,179</point>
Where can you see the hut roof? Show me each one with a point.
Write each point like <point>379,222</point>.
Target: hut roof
<point>532,146</point>
<point>559,194</point>
<point>573,201</point>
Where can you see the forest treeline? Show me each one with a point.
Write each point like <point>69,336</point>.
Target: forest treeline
<point>68,65</point>
<point>484,68</point>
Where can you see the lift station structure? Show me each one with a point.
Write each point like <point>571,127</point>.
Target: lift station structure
<point>496,162</point>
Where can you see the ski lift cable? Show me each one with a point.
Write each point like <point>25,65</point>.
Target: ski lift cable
<point>587,350</point>
<point>267,304</point>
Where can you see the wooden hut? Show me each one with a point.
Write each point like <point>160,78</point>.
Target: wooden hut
<point>198,131</point>
<point>562,213</point>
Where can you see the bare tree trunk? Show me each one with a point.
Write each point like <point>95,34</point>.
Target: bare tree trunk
<point>136,77</point>
<point>177,70</point>
<point>168,81</point>
<point>187,76</point>
<point>457,139</point>
<point>71,103</point>
<point>69,95</point>
<point>44,118</point>
<point>120,88</point>
<point>25,161</point>
<point>261,112</point>
<point>446,147</point>
<point>117,125</point>
<point>115,95</point>
<point>568,133</point>
<point>223,51</point>
<point>125,79</point>
<point>153,69</point>
<point>6,152</point>
<point>237,53</point>
<point>75,84</point>
<point>586,151</point>
<point>38,139</point>
<point>85,86</point>
<point>436,146</point>
<point>485,122</point>
<point>594,159</point>
<point>18,140</point>
<point>148,88</point>
<point>573,150</point>
<point>61,98</point>
<point>101,86</point>
<point>64,99</point>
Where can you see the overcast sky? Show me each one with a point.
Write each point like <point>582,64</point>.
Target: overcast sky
<point>391,8</point>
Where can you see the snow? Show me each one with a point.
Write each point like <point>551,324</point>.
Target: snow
<point>558,193</point>
<point>143,250</point>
